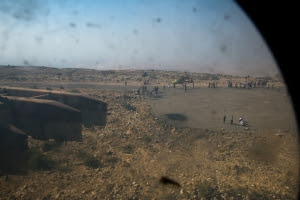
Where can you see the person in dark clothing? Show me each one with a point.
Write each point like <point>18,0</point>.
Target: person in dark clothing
<point>231,122</point>
<point>224,119</point>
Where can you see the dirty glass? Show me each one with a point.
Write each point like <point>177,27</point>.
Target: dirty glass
<point>141,100</point>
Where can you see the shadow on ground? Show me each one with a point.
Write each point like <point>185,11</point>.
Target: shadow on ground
<point>176,116</point>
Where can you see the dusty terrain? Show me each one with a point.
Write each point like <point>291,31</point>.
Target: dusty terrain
<point>205,108</point>
<point>139,144</point>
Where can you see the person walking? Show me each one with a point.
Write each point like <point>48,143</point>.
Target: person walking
<point>231,122</point>
<point>224,119</point>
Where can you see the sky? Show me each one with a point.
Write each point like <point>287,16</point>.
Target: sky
<point>210,36</point>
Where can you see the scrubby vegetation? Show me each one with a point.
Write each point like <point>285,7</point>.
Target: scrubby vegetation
<point>128,106</point>
<point>50,145</point>
<point>126,97</point>
<point>89,160</point>
<point>207,190</point>
<point>128,149</point>
<point>75,90</point>
<point>38,161</point>
<point>34,87</point>
<point>145,74</point>
<point>209,77</point>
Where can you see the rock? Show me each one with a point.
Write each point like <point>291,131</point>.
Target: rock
<point>279,134</point>
<point>173,130</point>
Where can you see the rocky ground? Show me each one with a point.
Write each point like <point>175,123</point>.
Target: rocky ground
<point>127,158</point>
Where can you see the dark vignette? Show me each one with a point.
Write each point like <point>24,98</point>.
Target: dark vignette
<point>277,23</point>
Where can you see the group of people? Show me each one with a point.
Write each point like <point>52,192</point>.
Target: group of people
<point>144,90</point>
<point>136,91</point>
<point>212,85</point>
<point>241,120</point>
<point>250,84</point>
<point>242,85</point>
<point>154,92</point>
<point>147,82</point>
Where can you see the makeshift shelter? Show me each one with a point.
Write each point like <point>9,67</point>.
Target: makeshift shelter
<point>13,150</point>
<point>93,111</point>
<point>42,119</point>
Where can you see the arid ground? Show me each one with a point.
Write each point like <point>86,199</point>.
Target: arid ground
<point>178,134</point>
<point>204,108</point>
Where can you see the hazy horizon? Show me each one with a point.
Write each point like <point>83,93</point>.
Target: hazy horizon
<point>144,70</point>
<point>195,36</point>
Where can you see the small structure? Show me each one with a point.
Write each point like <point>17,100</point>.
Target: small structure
<point>42,114</point>
<point>93,111</point>
<point>13,150</point>
<point>42,119</point>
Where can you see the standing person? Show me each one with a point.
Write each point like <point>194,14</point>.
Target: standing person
<point>168,84</point>
<point>185,87</point>
<point>193,84</point>
<point>231,122</point>
<point>224,119</point>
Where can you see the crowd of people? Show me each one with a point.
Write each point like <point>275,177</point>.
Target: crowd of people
<point>241,121</point>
